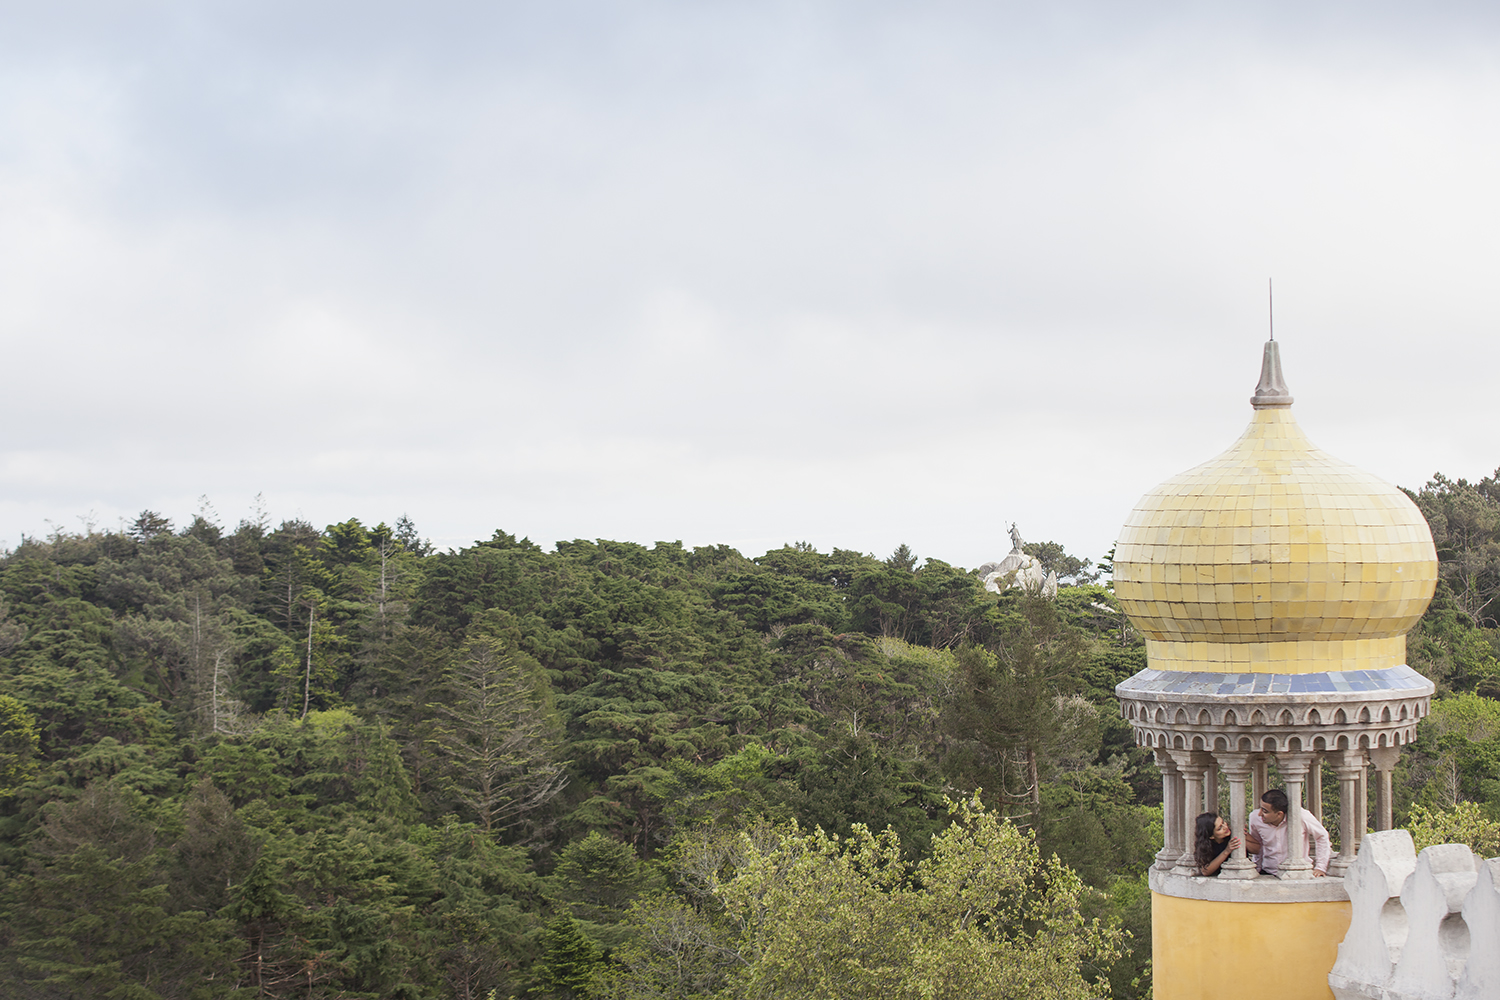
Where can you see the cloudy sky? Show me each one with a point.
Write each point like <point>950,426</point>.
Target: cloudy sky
<point>857,274</point>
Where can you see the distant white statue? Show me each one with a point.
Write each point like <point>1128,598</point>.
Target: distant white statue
<point>1018,570</point>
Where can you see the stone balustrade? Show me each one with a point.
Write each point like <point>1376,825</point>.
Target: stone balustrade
<point>1422,927</point>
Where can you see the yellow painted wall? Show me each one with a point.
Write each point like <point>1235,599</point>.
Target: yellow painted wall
<point>1203,949</point>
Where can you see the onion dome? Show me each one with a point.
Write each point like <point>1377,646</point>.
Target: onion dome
<point>1275,557</point>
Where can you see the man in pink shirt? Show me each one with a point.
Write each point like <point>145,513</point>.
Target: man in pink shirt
<point>1266,836</point>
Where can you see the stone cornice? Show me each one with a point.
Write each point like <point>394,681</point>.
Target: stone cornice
<point>1347,710</point>
<point>1262,889</point>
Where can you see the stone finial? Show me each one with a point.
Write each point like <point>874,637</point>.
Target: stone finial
<point>1272,390</point>
<point>1481,978</point>
<point>1429,967</point>
<point>1367,956</point>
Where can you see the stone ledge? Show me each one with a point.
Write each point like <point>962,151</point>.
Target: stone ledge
<point>1262,889</point>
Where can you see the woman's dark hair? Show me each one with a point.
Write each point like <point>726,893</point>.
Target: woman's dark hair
<point>1203,839</point>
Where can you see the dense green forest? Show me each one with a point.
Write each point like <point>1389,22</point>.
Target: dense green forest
<point>335,763</point>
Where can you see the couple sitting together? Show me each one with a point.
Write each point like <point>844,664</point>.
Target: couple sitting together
<point>1265,840</point>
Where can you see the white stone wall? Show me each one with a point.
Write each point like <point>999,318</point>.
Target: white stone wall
<point>1422,927</point>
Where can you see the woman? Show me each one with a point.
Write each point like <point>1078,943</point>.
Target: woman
<point>1213,843</point>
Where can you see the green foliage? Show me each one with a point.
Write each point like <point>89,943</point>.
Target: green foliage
<point>1465,523</point>
<point>1452,651</point>
<point>1091,821</point>
<point>305,762</point>
<point>1055,559</point>
<point>808,915</point>
<point>1456,756</point>
<point>499,736</point>
<point>92,913</point>
<point>568,963</point>
<point>595,880</point>
<point>19,741</point>
<point>1465,823</point>
<point>1014,719</point>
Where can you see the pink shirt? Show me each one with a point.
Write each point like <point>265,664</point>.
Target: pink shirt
<point>1273,842</point>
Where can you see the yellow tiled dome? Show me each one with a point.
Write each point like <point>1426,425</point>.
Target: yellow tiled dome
<point>1275,557</point>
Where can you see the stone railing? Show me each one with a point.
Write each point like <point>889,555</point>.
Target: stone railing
<point>1422,927</point>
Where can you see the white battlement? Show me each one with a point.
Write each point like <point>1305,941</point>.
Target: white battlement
<point>1422,927</point>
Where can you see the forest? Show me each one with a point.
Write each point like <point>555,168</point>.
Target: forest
<point>269,761</point>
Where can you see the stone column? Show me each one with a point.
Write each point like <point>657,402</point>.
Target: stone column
<point>1294,768</point>
<point>1211,786</point>
<point>1237,769</point>
<point>1171,811</point>
<point>1384,759</point>
<point>1315,787</point>
<point>1362,798</point>
<point>1350,765</point>
<point>1192,764</point>
<point>1260,779</point>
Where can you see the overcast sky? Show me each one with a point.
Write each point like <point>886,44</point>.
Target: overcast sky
<point>856,274</point>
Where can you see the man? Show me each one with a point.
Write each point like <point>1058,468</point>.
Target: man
<point>1266,836</point>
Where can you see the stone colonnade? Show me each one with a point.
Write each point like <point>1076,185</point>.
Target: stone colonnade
<point>1190,785</point>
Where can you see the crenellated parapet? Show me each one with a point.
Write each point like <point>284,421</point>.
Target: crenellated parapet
<point>1422,927</point>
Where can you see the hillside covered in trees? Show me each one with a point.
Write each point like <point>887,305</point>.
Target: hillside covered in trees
<point>334,763</point>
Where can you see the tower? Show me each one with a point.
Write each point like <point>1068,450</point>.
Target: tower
<point>1274,586</point>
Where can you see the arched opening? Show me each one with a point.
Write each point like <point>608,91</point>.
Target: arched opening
<point>1453,933</point>
<point>1245,743</point>
<point>1340,718</point>
<point>1294,745</point>
<point>1204,719</point>
<point>1319,743</point>
<point>1230,719</point>
<point>1314,718</point>
<point>1364,714</point>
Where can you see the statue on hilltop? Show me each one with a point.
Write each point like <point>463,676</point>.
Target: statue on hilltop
<point>1018,570</point>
